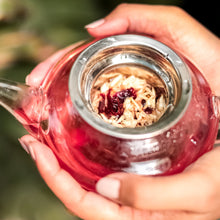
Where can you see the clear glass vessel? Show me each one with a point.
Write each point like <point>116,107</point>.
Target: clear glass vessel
<point>60,112</point>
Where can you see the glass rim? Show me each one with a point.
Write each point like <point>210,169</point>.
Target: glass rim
<point>94,53</point>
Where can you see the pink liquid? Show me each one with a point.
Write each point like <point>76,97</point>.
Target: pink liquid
<point>89,154</point>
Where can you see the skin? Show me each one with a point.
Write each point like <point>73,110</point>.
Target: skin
<point>193,194</point>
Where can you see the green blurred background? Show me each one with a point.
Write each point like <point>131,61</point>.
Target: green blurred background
<point>30,31</point>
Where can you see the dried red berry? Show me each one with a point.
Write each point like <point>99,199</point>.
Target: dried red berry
<point>115,103</point>
<point>148,110</point>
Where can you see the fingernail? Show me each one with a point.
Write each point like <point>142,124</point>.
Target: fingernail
<point>26,146</point>
<point>27,79</point>
<point>108,187</point>
<point>95,24</point>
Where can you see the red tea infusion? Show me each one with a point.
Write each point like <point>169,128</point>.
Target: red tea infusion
<point>122,103</point>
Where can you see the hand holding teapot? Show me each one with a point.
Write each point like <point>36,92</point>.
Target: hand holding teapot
<point>69,181</point>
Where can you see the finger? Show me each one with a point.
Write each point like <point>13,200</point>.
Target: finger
<point>193,190</point>
<point>159,21</point>
<point>170,25</point>
<point>39,73</point>
<point>87,205</point>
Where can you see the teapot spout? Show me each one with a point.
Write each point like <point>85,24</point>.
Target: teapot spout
<point>23,102</point>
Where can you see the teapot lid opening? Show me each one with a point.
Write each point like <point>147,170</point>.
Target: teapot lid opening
<point>105,84</point>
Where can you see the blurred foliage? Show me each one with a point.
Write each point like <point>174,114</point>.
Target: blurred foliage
<point>30,31</point>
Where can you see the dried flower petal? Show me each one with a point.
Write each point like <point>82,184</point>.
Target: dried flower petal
<point>129,97</point>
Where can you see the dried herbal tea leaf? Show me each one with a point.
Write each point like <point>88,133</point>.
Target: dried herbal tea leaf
<point>129,97</point>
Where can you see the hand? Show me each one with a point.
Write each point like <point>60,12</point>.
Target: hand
<point>78,201</point>
<point>170,25</point>
<point>192,194</point>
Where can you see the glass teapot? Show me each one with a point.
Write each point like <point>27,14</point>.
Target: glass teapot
<point>122,103</point>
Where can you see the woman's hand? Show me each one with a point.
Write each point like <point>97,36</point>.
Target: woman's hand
<point>193,194</point>
<point>170,25</point>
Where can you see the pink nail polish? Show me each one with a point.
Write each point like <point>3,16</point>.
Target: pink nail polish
<point>95,24</point>
<point>27,148</point>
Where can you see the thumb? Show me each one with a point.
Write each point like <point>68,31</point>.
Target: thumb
<point>194,190</point>
<point>152,193</point>
<point>160,21</point>
<point>170,25</point>
<point>38,74</point>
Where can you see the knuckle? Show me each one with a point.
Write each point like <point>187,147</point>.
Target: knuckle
<point>208,193</point>
<point>122,6</point>
<point>177,11</point>
<point>135,195</point>
<point>135,198</point>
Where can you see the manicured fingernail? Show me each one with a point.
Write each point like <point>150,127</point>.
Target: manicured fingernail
<point>108,187</point>
<point>95,24</point>
<point>27,148</point>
